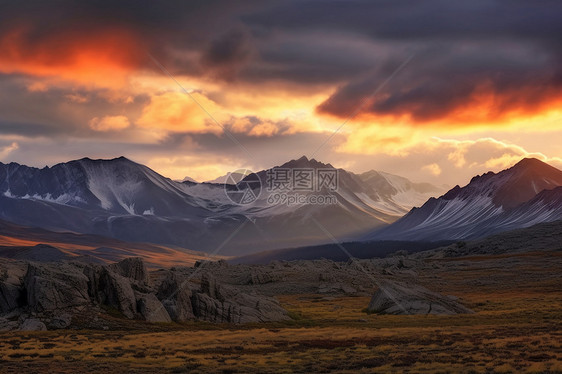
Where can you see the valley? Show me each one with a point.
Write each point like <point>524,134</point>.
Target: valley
<point>516,327</point>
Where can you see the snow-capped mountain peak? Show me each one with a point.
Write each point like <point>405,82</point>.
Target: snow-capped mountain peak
<point>489,203</point>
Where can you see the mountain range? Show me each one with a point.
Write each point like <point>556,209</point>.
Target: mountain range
<point>528,193</point>
<point>128,201</point>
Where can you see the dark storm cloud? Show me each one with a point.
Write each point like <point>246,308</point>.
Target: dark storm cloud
<point>228,53</point>
<point>430,19</point>
<point>160,27</point>
<point>441,79</point>
<point>511,48</point>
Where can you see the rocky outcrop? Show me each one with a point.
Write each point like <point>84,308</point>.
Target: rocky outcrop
<point>116,291</point>
<point>36,295</point>
<point>151,309</point>
<point>132,268</point>
<point>54,287</point>
<point>10,296</point>
<point>175,295</point>
<point>401,298</point>
<point>221,303</point>
<point>12,293</point>
<point>258,276</point>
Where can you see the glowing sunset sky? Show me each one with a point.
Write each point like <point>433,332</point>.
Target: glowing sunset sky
<point>461,87</point>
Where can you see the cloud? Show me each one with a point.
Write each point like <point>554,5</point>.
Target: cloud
<point>282,74</point>
<point>177,112</point>
<point>488,152</point>
<point>6,150</point>
<point>257,127</point>
<point>96,58</point>
<point>465,83</point>
<point>485,69</point>
<point>376,138</point>
<point>457,160</point>
<point>228,54</point>
<point>109,123</point>
<point>77,98</point>
<point>433,169</point>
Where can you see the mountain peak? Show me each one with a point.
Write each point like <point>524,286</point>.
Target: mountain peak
<point>305,162</point>
<point>120,158</point>
<point>529,162</point>
<point>535,166</point>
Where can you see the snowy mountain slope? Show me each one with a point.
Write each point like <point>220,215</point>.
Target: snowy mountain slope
<point>125,200</point>
<point>119,186</point>
<point>394,194</point>
<point>488,204</point>
<point>382,195</point>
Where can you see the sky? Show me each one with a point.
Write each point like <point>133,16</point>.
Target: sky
<point>436,91</point>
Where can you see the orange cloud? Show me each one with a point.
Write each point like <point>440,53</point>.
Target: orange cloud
<point>177,112</point>
<point>262,128</point>
<point>433,169</point>
<point>102,58</point>
<point>485,107</point>
<point>484,152</point>
<point>109,123</point>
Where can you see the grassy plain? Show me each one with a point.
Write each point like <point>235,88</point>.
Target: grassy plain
<point>517,327</point>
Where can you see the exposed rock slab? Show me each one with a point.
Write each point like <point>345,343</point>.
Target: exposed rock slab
<point>175,295</point>
<point>151,309</point>
<point>116,291</point>
<point>133,268</point>
<point>51,287</point>
<point>221,303</point>
<point>11,285</point>
<point>401,298</point>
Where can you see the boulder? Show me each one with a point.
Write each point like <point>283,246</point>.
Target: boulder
<point>116,291</point>
<point>220,303</point>
<point>151,309</point>
<point>32,324</point>
<point>51,287</point>
<point>11,296</point>
<point>175,295</point>
<point>401,298</point>
<point>12,293</point>
<point>209,309</point>
<point>132,268</point>
<point>210,287</point>
<point>258,276</point>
